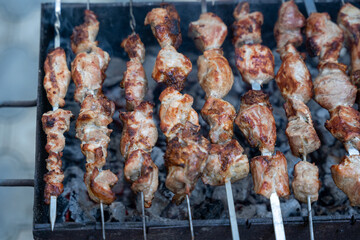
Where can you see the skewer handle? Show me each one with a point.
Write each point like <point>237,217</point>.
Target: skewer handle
<point>311,228</point>
<point>233,221</point>
<point>277,217</point>
<point>190,217</point>
<point>132,18</point>
<point>57,23</point>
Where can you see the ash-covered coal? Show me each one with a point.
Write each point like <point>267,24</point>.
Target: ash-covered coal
<point>207,202</point>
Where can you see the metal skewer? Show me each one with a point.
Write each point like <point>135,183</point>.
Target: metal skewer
<point>190,217</point>
<point>311,227</point>
<point>274,198</point>
<point>203,6</point>
<point>232,213</point>
<point>53,199</point>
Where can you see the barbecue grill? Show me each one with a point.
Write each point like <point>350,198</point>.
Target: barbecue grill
<point>333,218</point>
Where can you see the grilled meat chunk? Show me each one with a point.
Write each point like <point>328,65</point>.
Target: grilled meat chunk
<point>287,29</point>
<point>143,173</point>
<point>270,175</point>
<point>139,131</point>
<point>255,63</point>
<point>333,88</point>
<point>55,123</point>
<point>214,73</point>
<point>165,25</point>
<point>300,131</point>
<point>209,32</point>
<point>256,121</point>
<point>171,67</point>
<point>346,176</point>
<point>134,83</point>
<point>349,21</point>
<point>57,77</point>
<point>134,47</point>
<point>220,115</point>
<point>247,26</point>
<point>293,77</point>
<point>91,128</point>
<point>175,110</point>
<point>226,162</point>
<point>344,125</point>
<point>83,37</point>
<point>88,72</point>
<point>185,158</point>
<point>323,37</point>
<point>306,181</point>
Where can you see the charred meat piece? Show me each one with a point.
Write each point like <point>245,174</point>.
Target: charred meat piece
<point>270,175</point>
<point>346,176</point>
<point>55,123</point>
<point>165,25</point>
<point>171,67</point>
<point>139,131</point>
<point>306,181</point>
<point>333,88</point>
<point>300,131</point>
<point>293,77</point>
<point>134,83</point>
<point>344,125</point>
<point>214,73</point>
<point>255,63</point>
<point>57,77</point>
<point>88,72</point>
<point>134,47</point>
<point>349,21</point>
<point>256,121</point>
<point>83,37</point>
<point>209,32</point>
<point>226,162</point>
<point>91,128</point>
<point>175,110</point>
<point>185,158</point>
<point>220,115</point>
<point>323,37</point>
<point>141,171</point>
<point>247,26</point>
<point>287,29</point>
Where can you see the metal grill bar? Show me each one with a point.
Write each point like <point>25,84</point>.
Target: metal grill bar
<point>16,104</point>
<point>16,182</point>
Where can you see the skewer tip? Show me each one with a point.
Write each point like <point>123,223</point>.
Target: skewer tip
<point>102,220</point>
<point>190,217</point>
<point>52,212</point>
<point>232,213</point>
<point>311,228</point>
<point>143,214</point>
<point>277,217</point>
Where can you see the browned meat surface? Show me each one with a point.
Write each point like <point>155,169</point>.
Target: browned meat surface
<point>171,67</point>
<point>54,124</point>
<point>255,63</point>
<point>134,83</point>
<point>300,131</point>
<point>226,162</point>
<point>247,26</point>
<point>293,77</point>
<point>256,121</point>
<point>306,181</point>
<point>323,37</point>
<point>220,115</point>
<point>333,88</point>
<point>83,37</point>
<point>175,110</point>
<point>209,32</point>
<point>344,125</point>
<point>287,29</point>
<point>349,21</point>
<point>185,158</point>
<point>165,25</point>
<point>88,72</point>
<point>91,128</point>
<point>270,175</point>
<point>57,77</point>
<point>346,176</point>
<point>214,73</point>
<point>134,47</point>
